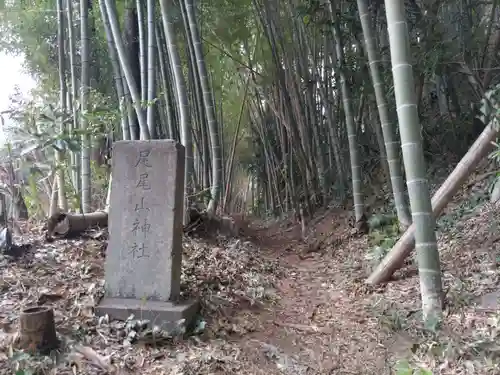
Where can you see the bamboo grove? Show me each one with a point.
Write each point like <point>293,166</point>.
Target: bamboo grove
<point>280,105</point>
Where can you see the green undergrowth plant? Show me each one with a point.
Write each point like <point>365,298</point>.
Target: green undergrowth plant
<point>32,198</point>
<point>418,348</point>
<point>391,316</point>
<point>384,233</point>
<point>23,363</point>
<point>413,340</point>
<point>100,181</point>
<point>477,350</point>
<point>403,367</point>
<point>464,210</point>
<point>72,195</point>
<point>488,113</point>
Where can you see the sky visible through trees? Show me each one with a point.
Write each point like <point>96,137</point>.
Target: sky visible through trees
<point>12,74</point>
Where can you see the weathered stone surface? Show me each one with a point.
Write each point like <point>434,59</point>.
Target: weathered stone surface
<point>144,254</point>
<point>164,314</point>
<point>489,301</point>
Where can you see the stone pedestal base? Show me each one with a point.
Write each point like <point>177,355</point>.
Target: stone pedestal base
<point>162,314</point>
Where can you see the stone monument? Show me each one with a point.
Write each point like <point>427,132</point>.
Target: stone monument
<point>144,254</point>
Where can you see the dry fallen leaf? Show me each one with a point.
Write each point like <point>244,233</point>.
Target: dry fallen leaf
<point>264,310</point>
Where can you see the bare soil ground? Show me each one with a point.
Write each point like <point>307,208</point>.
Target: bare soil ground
<point>266,309</point>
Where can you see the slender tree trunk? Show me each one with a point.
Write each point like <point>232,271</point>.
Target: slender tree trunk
<point>391,144</point>
<point>143,57</point>
<point>127,70</point>
<point>356,174</point>
<point>183,105</point>
<point>209,108</point>
<point>75,155</point>
<point>478,151</point>
<point>413,157</point>
<point>117,73</point>
<point>84,94</point>
<point>63,203</point>
<point>151,74</point>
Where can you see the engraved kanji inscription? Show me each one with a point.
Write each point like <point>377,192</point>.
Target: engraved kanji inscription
<point>138,250</point>
<point>144,181</point>
<point>143,227</point>
<point>143,159</point>
<point>140,206</point>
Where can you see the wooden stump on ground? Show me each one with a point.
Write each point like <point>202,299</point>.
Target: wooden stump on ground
<point>37,331</point>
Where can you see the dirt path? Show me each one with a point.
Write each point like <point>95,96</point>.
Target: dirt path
<point>267,310</point>
<point>322,323</point>
<point>327,321</point>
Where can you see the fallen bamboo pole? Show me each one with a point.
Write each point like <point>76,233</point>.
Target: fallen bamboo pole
<point>395,258</point>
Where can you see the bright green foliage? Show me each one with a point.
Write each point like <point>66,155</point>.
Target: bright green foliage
<point>404,368</point>
<point>226,28</point>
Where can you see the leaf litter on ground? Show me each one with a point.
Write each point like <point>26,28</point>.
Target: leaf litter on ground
<point>264,310</point>
<point>227,276</point>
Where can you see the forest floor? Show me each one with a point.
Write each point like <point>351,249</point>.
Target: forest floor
<point>266,309</point>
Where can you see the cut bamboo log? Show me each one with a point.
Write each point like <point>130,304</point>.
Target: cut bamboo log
<point>395,258</point>
<point>71,224</point>
<point>37,330</point>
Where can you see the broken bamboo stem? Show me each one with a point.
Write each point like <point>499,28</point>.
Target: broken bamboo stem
<point>395,258</point>
<point>37,329</point>
<point>63,224</point>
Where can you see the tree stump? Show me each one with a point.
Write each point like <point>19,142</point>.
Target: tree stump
<point>37,330</point>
